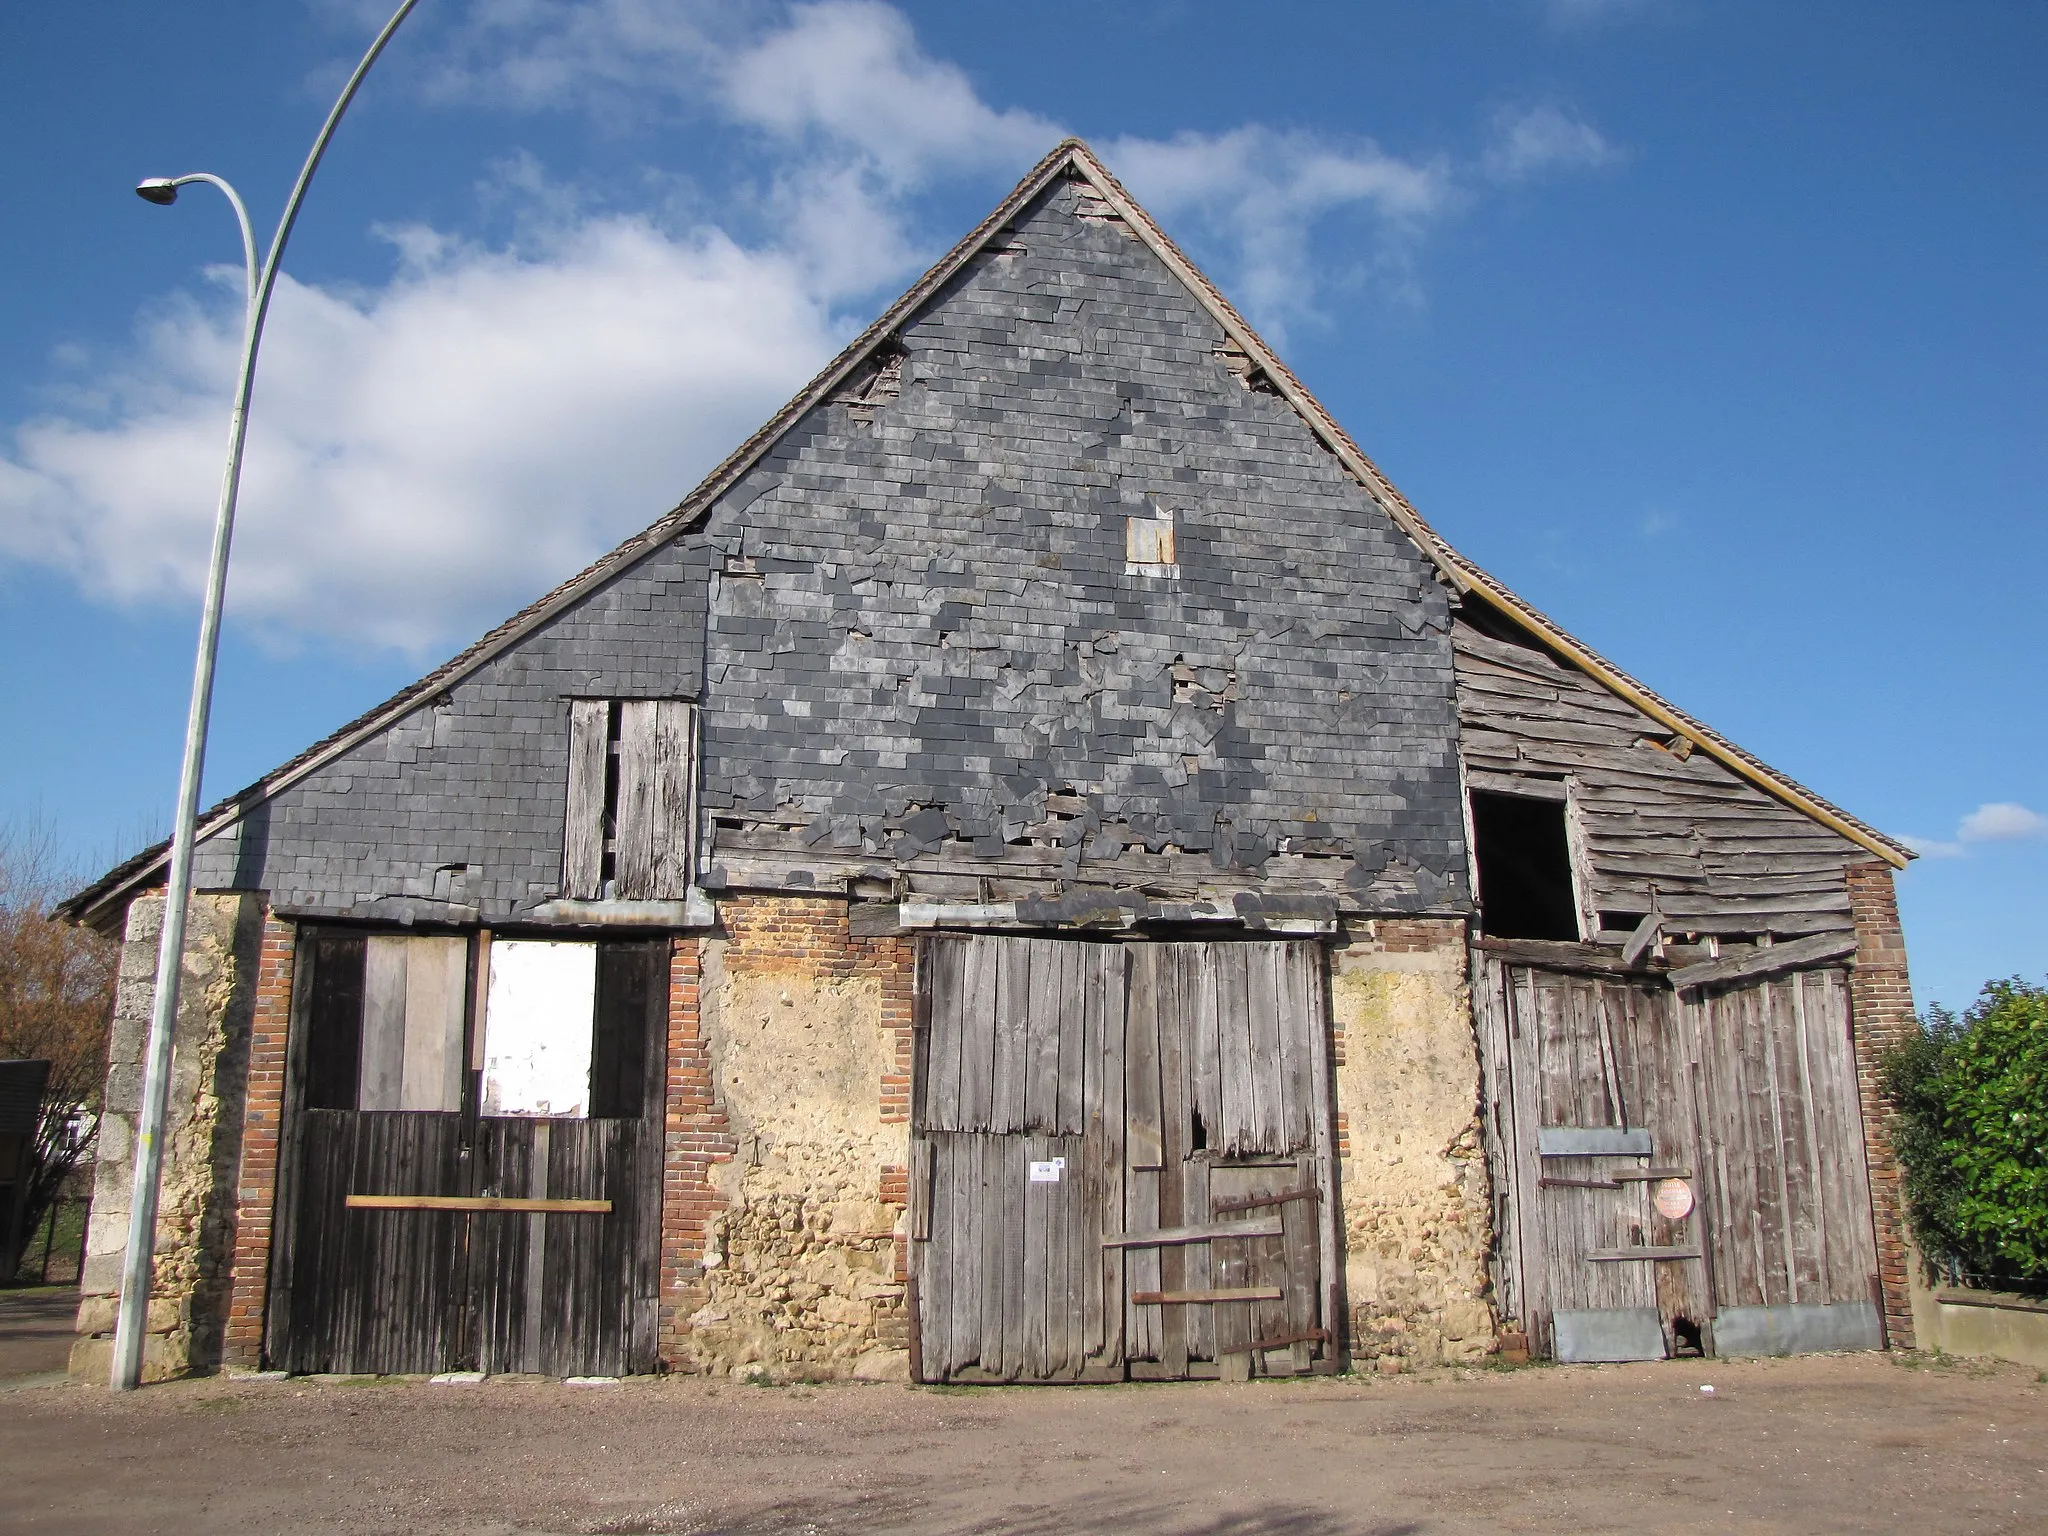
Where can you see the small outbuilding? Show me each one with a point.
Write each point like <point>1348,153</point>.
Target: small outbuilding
<point>1043,867</point>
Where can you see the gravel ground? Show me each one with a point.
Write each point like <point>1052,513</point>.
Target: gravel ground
<point>1842,1443</point>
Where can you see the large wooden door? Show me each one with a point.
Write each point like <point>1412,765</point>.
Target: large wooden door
<point>1122,1160</point>
<point>413,1241</point>
<point>1606,1092</point>
<point>1786,1183</point>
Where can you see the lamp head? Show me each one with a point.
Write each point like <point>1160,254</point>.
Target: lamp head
<point>160,190</point>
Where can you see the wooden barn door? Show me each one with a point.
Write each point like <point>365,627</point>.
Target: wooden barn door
<point>419,1231</point>
<point>1122,1160</point>
<point>1017,1168</point>
<point>1605,1093</point>
<point>1593,1116</point>
<point>1786,1186</point>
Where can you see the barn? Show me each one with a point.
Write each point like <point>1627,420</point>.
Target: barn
<point>1043,867</point>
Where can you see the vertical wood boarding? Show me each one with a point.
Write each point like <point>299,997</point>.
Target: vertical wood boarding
<point>1164,1077</point>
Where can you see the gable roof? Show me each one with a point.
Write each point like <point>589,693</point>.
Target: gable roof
<point>1070,158</point>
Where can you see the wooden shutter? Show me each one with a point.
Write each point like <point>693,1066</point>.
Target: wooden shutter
<point>657,797</point>
<point>414,991</point>
<point>583,835</point>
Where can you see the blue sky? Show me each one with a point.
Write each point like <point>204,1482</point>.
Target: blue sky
<point>1715,329</point>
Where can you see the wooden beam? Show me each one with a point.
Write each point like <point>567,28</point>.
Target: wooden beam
<point>1255,1202</point>
<point>1631,1255</point>
<point>1553,955</point>
<point>1279,1341</point>
<point>1767,960</point>
<point>1203,1298</point>
<point>1643,940</point>
<point>472,1203</point>
<point>1167,1237</point>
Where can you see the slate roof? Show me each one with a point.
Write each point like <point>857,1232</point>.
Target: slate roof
<point>1071,158</point>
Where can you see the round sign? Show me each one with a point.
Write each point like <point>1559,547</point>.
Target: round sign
<point>1674,1199</point>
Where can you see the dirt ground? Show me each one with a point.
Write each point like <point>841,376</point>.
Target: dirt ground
<point>36,1323</point>
<point>1842,1443</point>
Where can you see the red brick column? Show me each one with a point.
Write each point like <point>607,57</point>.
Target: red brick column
<point>695,1138</point>
<point>1881,1002</point>
<point>263,1111</point>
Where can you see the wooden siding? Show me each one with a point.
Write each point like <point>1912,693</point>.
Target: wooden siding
<point>1678,834</point>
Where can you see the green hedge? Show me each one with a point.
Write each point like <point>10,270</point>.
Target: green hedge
<point>1971,1130</point>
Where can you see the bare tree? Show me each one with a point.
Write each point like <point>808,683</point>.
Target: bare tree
<point>56,1001</point>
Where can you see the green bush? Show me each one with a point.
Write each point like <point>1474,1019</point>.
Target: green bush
<point>1970,1096</point>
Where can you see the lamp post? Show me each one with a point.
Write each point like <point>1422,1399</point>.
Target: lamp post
<point>137,1262</point>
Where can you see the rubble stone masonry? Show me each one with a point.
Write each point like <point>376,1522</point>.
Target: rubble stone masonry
<point>189,1293</point>
<point>789,1112</point>
<point>1413,1178</point>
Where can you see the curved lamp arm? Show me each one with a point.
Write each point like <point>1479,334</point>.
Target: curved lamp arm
<point>138,1261</point>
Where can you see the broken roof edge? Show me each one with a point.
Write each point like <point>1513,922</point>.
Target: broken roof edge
<point>1460,573</point>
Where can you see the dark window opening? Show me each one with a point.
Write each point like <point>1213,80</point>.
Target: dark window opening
<point>334,1020</point>
<point>632,1001</point>
<point>609,859</point>
<point>1525,867</point>
<point>1199,1142</point>
<point>1478,614</point>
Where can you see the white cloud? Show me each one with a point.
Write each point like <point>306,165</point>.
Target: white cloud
<point>426,457</point>
<point>1534,140</point>
<point>426,454</point>
<point>1996,821</point>
<point>2001,821</point>
<point>852,71</point>
<point>1934,847</point>
<point>1257,193</point>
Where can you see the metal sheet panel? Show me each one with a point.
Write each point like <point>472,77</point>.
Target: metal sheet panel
<point>1608,1333</point>
<point>1592,1141</point>
<point>1798,1329</point>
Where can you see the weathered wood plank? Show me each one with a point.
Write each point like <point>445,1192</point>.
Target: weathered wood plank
<point>436,992</point>
<point>1197,1232</point>
<point>1766,961</point>
<point>1042,1005</point>
<point>633,851</point>
<point>474,1202</point>
<point>978,999</point>
<point>383,1072</point>
<point>1196,1298</point>
<point>673,806</point>
<point>1143,1143</point>
<point>583,840</point>
<point>1186,972</point>
<point>1262,1017</point>
<point>1012,1067</point>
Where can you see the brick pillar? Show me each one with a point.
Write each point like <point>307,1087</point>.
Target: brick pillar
<point>695,1137</point>
<point>894,960</point>
<point>1881,1001</point>
<point>256,1189</point>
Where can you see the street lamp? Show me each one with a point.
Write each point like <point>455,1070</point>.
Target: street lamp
<point>139,1259</point>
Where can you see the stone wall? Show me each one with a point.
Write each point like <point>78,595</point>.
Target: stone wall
<point>1417,1201</point>
<point>799,1271</point>
<point>202,1144</point>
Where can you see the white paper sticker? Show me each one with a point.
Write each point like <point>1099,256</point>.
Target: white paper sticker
<point>1047,1173</point>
